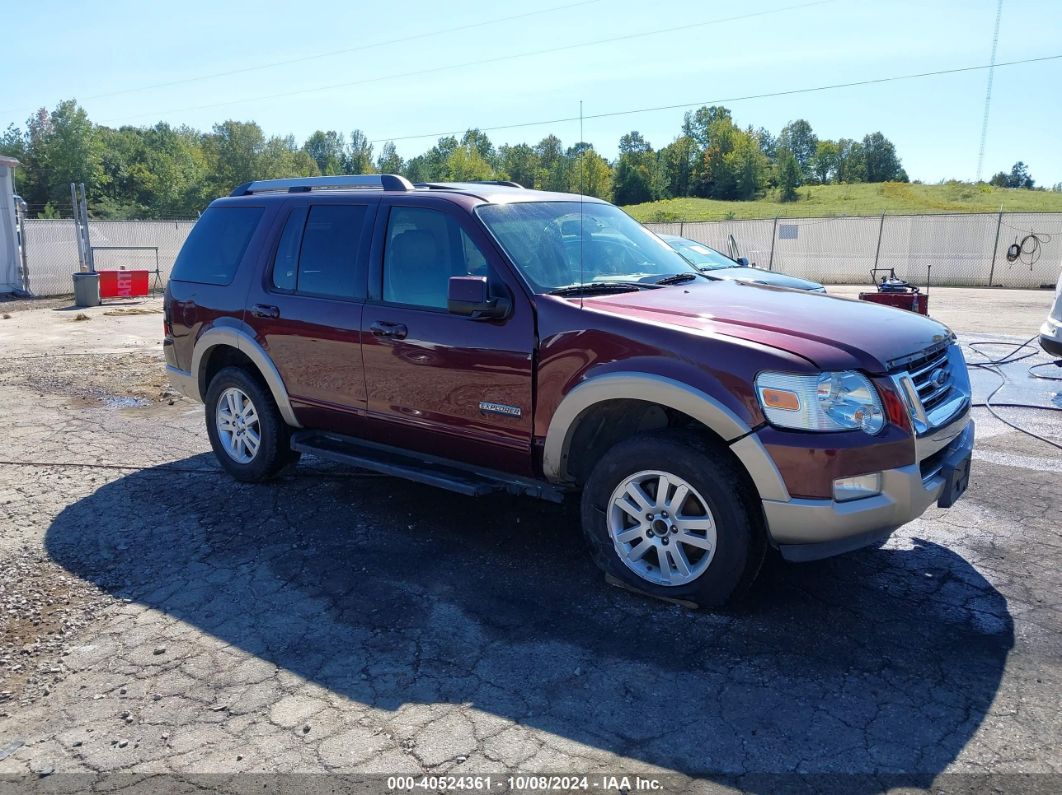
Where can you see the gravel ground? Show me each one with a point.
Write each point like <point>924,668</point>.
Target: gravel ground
<point>158,618</point>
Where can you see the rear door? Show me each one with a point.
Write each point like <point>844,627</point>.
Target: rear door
<point>440,383</point>
<point>306,309</point>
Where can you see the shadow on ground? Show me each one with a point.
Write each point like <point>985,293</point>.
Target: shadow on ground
<point>390,593</point>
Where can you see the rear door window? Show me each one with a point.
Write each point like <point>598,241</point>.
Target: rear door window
<point>216,245</point>
<point>329,250</point>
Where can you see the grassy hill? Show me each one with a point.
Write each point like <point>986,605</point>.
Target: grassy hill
<point>896,198</point>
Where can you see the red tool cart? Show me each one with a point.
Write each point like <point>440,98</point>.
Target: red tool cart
<point>896,292</point>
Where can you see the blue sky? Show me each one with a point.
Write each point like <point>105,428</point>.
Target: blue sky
<point>427,85</point>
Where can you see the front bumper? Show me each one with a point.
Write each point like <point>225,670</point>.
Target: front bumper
<point>1051,337</point>
<point>810,529</point>
<point>184,382</point>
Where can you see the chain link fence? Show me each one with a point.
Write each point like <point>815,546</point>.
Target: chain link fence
<point>966,250</point>
<point>51,249</point>
<point>962,250</point>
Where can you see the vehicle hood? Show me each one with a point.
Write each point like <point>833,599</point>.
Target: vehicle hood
<point>829,331</point>
<point>760,276</point>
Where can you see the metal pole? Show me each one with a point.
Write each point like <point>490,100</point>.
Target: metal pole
<point>774,236</point>
<point>20,220</point>
<point>995,247</point>
<point>682,228</point>
<point>75,203</point>
<point>881,228</point>
<point>88,241</point>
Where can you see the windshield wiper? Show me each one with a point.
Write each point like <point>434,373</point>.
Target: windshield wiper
<point>678,278</point>
<point>600,287</point>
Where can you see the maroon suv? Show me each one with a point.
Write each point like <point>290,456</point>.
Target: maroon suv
<point>482,337</point>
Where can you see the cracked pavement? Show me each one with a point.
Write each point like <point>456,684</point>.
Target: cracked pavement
<point>165,619</point>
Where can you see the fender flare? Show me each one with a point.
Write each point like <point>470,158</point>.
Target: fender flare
<point>247,345</point>
<point>666,392</point>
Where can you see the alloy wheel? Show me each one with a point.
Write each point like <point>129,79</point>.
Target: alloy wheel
<point>661,527</point>
<point>238,426</point>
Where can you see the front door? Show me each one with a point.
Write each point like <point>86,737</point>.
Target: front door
<point>435,382</point>
<point>307,311</point>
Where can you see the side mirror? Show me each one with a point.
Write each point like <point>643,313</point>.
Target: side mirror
<point>742,261</point>
<point>470,296</point>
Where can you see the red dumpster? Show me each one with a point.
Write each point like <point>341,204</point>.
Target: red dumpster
<point>123,284</point>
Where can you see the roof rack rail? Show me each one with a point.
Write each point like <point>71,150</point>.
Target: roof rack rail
<point>506,183</point>
<point>304,184</point>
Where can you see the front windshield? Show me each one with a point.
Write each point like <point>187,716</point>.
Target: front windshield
<point>563,244</point>
<point>700,255</point>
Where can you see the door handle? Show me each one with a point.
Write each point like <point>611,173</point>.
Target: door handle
<point>265,310</point>
<point>395,331</point>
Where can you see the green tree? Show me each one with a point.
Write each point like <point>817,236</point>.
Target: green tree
<point>789,176</point>
<point>552,164</point>
<point>519,163</point>
<point>1019,177</point>
<point>417,169</point>
<point>881,162</point>
<point>328,150</point>
<point>851,161</point>
<point>748,164</point>
<point>66,147</point>
<point>700,124</point>
<point>633,180</point>
<point>824,163</point>
<point>478,140</point>
<point>282,157</point>
<point>589,173</point>
<point>677,161</point>
<point>798,138</point>
<point>466,164</point>
<point>389,161</point>
<point>233,150</point>
<point>434,167</point>
<point>359,160</point>
<point>713,177</point>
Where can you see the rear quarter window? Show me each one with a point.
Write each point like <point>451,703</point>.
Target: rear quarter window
<point>216,245</point>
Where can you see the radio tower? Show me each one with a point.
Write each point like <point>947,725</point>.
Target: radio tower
<point>988,92</point>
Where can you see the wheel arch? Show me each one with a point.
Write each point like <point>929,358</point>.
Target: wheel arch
<point>605,410</point>
<point>221,346</point>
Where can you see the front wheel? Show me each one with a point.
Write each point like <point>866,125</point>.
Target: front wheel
<point>246,430</point>
<point>672,516</point>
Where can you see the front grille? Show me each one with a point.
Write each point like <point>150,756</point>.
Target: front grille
<point>932,377</point>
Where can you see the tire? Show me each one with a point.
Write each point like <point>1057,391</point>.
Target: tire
<point>234,387</point>
<point>713,539</point>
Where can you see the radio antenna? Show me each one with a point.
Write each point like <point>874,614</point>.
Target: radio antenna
<point>582,190</point>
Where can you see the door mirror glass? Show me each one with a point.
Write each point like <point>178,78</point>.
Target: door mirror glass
<point>742,261</point>
<point>470,296</point>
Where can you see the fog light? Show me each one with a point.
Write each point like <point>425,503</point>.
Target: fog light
<point>845,489</point>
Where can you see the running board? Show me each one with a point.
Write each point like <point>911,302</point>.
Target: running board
<point>419,467</point>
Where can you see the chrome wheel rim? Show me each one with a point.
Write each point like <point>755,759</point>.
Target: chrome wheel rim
<point>662,528</point>
<point>238,427</point>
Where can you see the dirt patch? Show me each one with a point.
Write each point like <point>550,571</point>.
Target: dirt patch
<point>120,381</point>
<point>138,310</point>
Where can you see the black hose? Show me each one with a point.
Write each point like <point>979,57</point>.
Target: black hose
<point>993,366</point>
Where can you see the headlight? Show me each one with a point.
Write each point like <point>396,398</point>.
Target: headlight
<point>824,402</point>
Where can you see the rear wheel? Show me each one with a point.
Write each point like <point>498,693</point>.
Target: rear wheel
<point>673,517</point>
<point>246,430</point>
